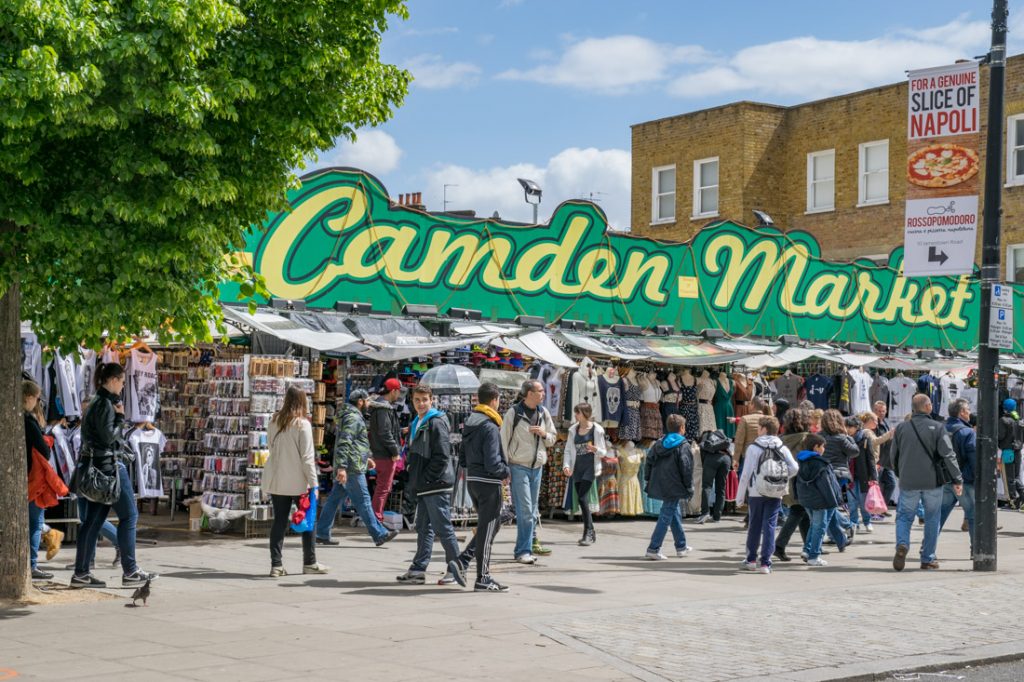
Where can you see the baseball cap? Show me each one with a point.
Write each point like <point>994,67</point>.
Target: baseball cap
<point>1009,404</point>
<point>357,395</point>
<point>392,385</point>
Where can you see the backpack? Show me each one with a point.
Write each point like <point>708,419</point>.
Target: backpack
<point>713,442</point>
<point>771,478</point>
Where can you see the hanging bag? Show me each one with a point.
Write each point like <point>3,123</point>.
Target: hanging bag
<point>875,501</point>
<point>93,484</point>
<point>732,486</point>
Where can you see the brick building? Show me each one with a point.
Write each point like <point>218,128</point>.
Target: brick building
<point>823,167</point>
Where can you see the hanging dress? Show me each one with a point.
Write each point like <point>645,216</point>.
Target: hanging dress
<point>629,427</point>
<point>688,408</point>
<point>650,412</point>
<point>705,412</point>
<point>631,501</point>
<point>723,406</point>
<point>743,393</point>
<point>608,486</point>
<point>669,399</point>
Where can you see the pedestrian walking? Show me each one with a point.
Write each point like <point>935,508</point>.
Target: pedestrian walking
<point>30,393</point>
<point>669,476</point>
<point>964,440</point>
<point>884,432</point>
<point>1010,440</point>
<point>290,473</point>
<point>864,469</point>
<point>584,448</point>
<point>486,469</point>
<point>840,448</point>
<point>797,426</point>
<point>385,435</point>
<point>768,465</point>
<point>351,461</point>
<point>431,480</point>
<point>817,490</point>
<point>527,431</point>
<point>924,460</point>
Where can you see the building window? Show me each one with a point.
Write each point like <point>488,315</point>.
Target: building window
<point>821,181</point>
<point>664,199</point>
<point>1015,150</point>
<point>705,188</point>
<point>1015,263</point>
<point>874,173</point>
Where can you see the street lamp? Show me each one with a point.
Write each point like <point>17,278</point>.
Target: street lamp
<point>531,189</point>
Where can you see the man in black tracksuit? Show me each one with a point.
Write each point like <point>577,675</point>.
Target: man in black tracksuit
<point>486,468</point>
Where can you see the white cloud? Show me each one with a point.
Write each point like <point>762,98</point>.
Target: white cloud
<point>432,72</point>
<point>571,174</point>
<point>374,151</point>
<point>611,65</point>
<point>811,67</point>
<point>436,31</point>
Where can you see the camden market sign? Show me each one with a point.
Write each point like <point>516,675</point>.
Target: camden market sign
<point>345,240</point>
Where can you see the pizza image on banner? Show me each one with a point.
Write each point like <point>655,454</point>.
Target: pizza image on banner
<point>942,165</point>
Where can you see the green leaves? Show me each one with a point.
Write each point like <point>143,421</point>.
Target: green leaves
<point>139,141</point>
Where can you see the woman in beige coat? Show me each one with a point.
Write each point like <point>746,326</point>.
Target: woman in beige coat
<point>290,472</point>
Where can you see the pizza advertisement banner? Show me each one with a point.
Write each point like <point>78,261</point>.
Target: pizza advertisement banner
<point>942,170</point>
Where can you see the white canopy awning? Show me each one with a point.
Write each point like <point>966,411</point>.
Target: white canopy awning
<point>288,330</point>
<point>536,345</point>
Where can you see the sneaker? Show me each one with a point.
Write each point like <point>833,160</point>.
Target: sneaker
<point>816,562</point>
<point>41,575</point>
<point>869,528</point>
<point>53,539</point>
<point>899,561</point>
<point>781,555</point>
<point>750,565</point>
<point>330,542</point>
<point>387,538</point>
<point>584,541</point>
<point>683,552</point>
<point>455,570</point>
<point>764,570</point>
<point>88,580</point>
<point>448,579</point>
<point>314,569</point>
<point>539,549</point>
<point>277,572</point>
<point>411,578</point>
<point>713,520</point>
<point>655,556</point>
<point>702,519</point>
<point>526,559</point>
<point>828,541</point>
<point>489,584</point>
<point>930,566</point>
<point>139,577</point>
<point>805,556</point>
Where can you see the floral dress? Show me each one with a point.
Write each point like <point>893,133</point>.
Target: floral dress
<point>629,427</point>
<point>688,408</point>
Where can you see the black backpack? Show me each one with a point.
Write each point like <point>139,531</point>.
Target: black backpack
<point>713,442</point>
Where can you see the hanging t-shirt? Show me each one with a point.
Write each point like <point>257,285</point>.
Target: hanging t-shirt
<point>110,355</point>
<point>549,376</point>
<point>1015,386</point>
<point>818,389</point>
<point>612,402</point>
<point>860,391</point>
<point>86,369</point>
<point>32,357</point>
<point>901,392</point>
<point>66,385</point>
<point>952,388</point>
<point>879,390</point>
<point>142,392</point>
<point>61,454</point>
<point>930,386</point>
<point>788,385</point>
<point>970,394</point>
<point>841,389</point>
<point>148,445</point>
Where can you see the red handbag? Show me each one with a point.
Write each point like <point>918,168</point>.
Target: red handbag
<point>732,486</point>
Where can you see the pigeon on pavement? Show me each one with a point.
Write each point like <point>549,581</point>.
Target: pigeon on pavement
<point>141,593</point>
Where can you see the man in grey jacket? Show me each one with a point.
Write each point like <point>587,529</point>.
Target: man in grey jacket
<point>924,461</point>
<point>527,431</point>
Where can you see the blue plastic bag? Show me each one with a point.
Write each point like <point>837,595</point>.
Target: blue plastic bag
<point>308,522</point>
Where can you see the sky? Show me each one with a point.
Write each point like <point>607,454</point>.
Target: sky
<point>548,89</point>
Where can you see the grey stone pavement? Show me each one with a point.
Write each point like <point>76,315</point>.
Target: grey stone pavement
<point>594,613</point>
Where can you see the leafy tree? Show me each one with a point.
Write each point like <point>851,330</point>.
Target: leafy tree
<point>138,140</point>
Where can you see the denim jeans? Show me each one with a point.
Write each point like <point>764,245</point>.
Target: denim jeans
<point>95,516</point>
<point>858,508</point>
<point>887,479</point>
<point>108,531</point>
<point>907,510</point>
<point>966,499</point>
<point>822,522</point>
<point>764,515</point>
<point>525,490</point>
<point>35,532</point>
<point>434,517</point>
<point>357,492</point>
<point>670,517</point>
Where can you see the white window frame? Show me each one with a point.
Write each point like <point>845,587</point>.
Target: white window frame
<point>656,194</point>
<point>862,184</point>
<point>811,208</point>
<point>1014,175</point>
<point>1011,263</point>
<point>697,212</point>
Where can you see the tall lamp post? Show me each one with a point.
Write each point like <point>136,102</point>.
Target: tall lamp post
<point>988,356</point>
<point>531,190</point>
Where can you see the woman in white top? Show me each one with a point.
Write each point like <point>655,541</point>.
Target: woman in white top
<point>582,462</point>
<point>290,472</point>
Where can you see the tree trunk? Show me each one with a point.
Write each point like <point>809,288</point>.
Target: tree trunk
<point>15,580</point>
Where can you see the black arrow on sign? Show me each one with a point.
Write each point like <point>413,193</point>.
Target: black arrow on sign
<point>936,256</point>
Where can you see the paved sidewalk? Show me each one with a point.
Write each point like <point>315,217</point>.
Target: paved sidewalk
<point>594,613</point>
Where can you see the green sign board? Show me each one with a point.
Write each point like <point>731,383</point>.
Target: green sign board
<point>346,240</point>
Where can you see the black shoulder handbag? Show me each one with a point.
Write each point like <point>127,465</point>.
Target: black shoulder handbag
<point>942,476</point>
<point>93,484</point>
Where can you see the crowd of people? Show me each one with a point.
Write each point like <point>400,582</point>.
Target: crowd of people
<point>816,468</point>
